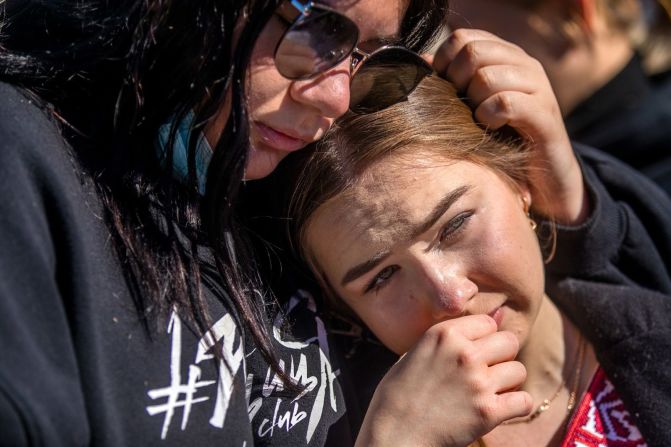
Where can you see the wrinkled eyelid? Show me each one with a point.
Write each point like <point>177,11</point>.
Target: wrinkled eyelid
<point>455,225</point>
<point>373,284</point>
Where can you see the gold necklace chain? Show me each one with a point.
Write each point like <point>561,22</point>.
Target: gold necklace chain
<point>579,360</point>
<point>576,378</point>
<point>545,405</point>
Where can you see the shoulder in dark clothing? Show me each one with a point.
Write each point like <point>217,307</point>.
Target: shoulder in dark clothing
<point>630,118</point>
<point>78,366</point>
<point>611,278</point>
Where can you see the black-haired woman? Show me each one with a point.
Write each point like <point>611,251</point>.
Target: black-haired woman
<point>131,309</point>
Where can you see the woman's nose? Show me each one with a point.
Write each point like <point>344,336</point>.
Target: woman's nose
<point>328,93</point>
<point>448,291</point>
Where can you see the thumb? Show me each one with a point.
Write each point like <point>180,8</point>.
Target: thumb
<point>428,57</point>
<point>442,57</point>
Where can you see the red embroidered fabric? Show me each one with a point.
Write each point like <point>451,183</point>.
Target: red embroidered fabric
<point>600,420</point>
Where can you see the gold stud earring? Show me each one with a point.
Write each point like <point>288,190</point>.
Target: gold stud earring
<point>532,222</point>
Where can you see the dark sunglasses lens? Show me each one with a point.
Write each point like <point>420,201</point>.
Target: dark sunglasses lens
<point>386,78</point>
<point>315,43</point>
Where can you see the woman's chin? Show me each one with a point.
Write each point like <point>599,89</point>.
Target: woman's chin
<point>261,163</point>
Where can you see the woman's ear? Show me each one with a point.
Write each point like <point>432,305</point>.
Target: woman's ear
<point>563,24</point>
<point>587,13</point>
<point>525,198</point>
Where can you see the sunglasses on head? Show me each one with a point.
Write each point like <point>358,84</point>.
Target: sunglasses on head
<point>319,38</point>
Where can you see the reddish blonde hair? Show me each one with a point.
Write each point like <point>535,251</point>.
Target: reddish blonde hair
<point>433,120</point>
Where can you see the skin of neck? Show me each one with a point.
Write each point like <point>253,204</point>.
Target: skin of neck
<point>550,346</point>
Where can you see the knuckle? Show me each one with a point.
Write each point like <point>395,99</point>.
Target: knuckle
<point>439,335</point>
<point>478,384</point>
<point>505,104</point>
<point>459,37</point>
<point>471,53</point>
<point>446,330</point>
<point>487,411</point>
<point>467,358</point>
<point>485,78</point>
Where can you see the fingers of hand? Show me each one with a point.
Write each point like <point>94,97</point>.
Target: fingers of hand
<point>470,327</point>
<point>466,50</point>
<point>499,109</point>
<point>507,376</point>
<point>512,108</point>
<point>497,347</point>
<point>451,46</point>
<point>513,404</point>
<point>428,58</point>
<point>482,53</point>
<point>495,74</point>
<point>493,79</point>
<point>496,409</point>
<point>452,362</point>
<point>496,397</point>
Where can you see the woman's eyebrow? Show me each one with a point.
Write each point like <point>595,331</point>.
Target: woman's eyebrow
<point>412,231</point>
<point>438,210</point>
<point>363,268</point>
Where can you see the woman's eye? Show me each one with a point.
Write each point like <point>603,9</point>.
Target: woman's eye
<point>454,226</point>
<point>381,278</point>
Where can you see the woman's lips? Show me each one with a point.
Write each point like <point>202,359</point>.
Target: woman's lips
<point>497,315</point>
<point>279,140</point>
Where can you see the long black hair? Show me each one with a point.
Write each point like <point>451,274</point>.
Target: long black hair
<point>112,72</point>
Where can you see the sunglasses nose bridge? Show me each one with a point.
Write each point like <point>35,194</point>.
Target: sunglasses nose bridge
<point>357,59</point>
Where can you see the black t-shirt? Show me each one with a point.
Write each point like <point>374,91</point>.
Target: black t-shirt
<point>77,365</point>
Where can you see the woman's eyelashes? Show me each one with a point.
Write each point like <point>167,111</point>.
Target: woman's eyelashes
<point>449,232</point>
<point>454,227</point>
<point>381,278</point>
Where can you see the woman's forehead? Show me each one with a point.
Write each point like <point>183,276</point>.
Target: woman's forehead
<point>390,196</point>
<point>382,211</point>
<point>375,18</point>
